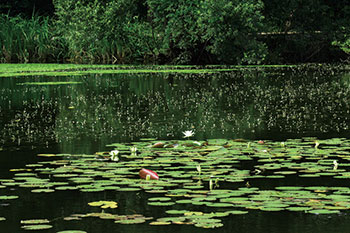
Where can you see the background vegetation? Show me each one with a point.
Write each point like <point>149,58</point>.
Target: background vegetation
<point>174,31</point>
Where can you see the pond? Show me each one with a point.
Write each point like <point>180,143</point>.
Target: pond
<point>269,151</point>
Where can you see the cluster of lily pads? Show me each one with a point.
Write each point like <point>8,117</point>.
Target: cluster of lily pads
<point>220,177</point>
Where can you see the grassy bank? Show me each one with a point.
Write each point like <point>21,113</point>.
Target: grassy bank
<point>12,70</point>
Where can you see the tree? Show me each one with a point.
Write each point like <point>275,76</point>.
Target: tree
<point>230,30</point>
<point>174,24</point>
<point>99,31</point>
<point>312,24</point>
<point>223,28</point>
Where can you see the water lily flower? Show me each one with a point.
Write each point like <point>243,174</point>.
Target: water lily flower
<point>317,144</point>
<point>335,163</point>
<point>188,133</point>
<point>217,183</point>
<point>114,152</point>
<point>199,169</point>
<point>148,174</point>
<point>210,184</point>
<point>114,155</point>
<point>133,149</point>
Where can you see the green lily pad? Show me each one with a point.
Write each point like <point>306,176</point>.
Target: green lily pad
<point>37,227</point>
<point>289,188</point>
<point>176,211</point>
<point>35,221</point>
<point>157,203</point>
<point>271,208</point>
<point>11,197</point>
<point>131,221</point>
<point>298,208</point>
<point>159,199</point>
<point>42,190</point>
<point>234,212</point>
<point>104,204</point>
<point>323,211</point>
<point>219,204</point>
<point>71,231</point>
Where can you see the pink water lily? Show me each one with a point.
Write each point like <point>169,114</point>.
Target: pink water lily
<point>148,174</point>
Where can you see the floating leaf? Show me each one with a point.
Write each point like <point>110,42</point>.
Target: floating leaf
<point>43,190</point>
<point>37,227</point>
<point>161,203</point>
<point>323,211</point>
<point>104,204</point>
<point>35,221</point>
<point>11,197</point>
<point>71,231</point>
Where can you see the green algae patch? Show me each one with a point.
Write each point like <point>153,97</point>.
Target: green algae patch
<point>22,70</point>
<point>48,84</point>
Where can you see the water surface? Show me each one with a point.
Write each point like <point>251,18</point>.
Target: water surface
<point>96,110</point>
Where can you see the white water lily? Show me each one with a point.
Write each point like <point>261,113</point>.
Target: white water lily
<point>114,155</point>
<point>317,144</point>
<point>133,149</point>
<point>199,169</point>
<point>248,145</point>
<point>210,184</point>
<point>114,152</point>
<point>335,163</point>
<point>188,133</point>
<point>217,183</point>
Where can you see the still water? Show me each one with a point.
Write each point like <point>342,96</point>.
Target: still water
<point>85,113</point>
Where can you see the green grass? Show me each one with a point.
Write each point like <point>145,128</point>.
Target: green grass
<point>26,40</point>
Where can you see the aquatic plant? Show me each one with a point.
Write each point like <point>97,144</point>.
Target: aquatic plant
<point>190,184</point>
<point>148,174</point>
<point>114,155</point>
<point>188,133</point>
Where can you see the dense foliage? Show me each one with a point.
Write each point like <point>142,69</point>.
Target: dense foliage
<point>175,31</point>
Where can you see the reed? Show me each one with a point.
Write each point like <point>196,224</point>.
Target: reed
<point>27,40</point>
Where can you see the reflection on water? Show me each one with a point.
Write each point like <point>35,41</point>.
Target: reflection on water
<point>110,108</point>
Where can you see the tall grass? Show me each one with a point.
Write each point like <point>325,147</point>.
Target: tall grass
<point>28,40</point>
<point>40,39</point>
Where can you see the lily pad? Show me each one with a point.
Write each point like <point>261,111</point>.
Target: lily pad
<point>11,197</point>
<point>71,231</point>
<point>37,227</point>
<point>323,211</point>
<point>35,221</point>
<point>104,204</point>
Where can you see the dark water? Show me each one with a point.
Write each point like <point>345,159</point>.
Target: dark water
<point>85,117</point>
